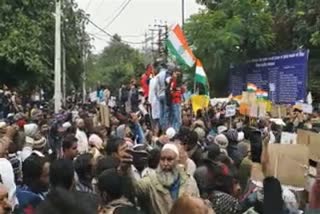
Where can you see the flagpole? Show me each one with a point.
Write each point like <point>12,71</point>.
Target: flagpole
<point>182,8</point>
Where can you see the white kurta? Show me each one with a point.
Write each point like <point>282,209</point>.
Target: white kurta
<point>83,145</point>
<point>153,100</point>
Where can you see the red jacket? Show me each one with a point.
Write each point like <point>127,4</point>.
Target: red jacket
<point>144,81</point>
<point>176,92</point>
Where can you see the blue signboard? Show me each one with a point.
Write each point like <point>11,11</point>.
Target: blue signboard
<point>284,76</point>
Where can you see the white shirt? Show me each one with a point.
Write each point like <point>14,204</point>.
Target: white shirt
<point>83,145</point>
<point>191,167</point>
<point>153,99</point>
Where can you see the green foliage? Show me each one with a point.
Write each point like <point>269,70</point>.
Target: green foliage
<point>233,31</point>
<point>116,65</point>
<point>27,41</point>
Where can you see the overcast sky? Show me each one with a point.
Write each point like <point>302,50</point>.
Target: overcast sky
<point>135,19</point>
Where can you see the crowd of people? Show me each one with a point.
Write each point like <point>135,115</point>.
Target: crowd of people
<point>156,156</point>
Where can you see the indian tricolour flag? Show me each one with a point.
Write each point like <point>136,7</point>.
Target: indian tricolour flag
<point>178,47</point>
<point>265,95</point>
<point>201,76</point>
<point>251,87</point>
<point>259,93</point>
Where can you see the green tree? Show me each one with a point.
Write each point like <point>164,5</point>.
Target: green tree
<point>27,42</point>
<point>229,31</point>
<point>116,65</point>
<point>233,31</point>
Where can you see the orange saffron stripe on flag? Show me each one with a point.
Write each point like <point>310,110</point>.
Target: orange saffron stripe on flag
<point>198,63</point>
<point>180,35</point>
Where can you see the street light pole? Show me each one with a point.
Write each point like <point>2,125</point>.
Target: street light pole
<point>57,65</point>
<point>182,12</point>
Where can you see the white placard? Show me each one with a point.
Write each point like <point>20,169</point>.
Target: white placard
<point>93,96</point>
<point>288,138</point>
<point>230,110</point>
<point>306,108</point>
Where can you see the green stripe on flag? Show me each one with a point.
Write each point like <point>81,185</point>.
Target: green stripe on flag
<point>175,54</point>
<point>201,79</point>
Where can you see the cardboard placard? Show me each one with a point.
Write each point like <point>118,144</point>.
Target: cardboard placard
<point>312,140</point>
<point>278,111</point>
<point>288,138</point>
<point>287,163</point>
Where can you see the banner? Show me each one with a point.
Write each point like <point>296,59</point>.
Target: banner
<point>284,76</point>
<point>199,102</point>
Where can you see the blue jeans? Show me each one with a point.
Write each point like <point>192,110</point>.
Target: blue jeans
<point>164,113</point>
<point>176,116</point>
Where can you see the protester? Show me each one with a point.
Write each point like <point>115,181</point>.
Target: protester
<point>8,179</point>
<point>69,147</point>
<point>176,98</point>
<point>191,205</point>
<point>5,206</point>
<point>112,192</point>
<point>164,187</point>
<point>160,91</point>
<point>35,171</point>
<point>60,201</point>
<point>62,174</point>
<point>84,170</point>
<point>160,155</point>
<point>153,99</point>
<point>83,145</point>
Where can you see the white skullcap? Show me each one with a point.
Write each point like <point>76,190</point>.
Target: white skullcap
<point>222,129</point>
<point>171,147</point>
<point>3,124</point>
<point>66,125</point>
<point>222,141</point>
<point>171,132</point>
<point>10,115</point>
<point>240,136</point>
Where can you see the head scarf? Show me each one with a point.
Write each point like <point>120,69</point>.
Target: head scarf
<point>96,141</point>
